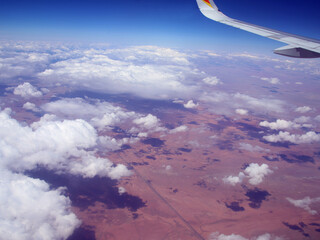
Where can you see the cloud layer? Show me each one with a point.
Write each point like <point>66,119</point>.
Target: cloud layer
<point>149,72</point>
<point>218,236</point>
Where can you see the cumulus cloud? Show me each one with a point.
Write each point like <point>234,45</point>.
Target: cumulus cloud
<point>305,204</point>
<point>56,145</point>
<point>233,180</point>
<point>218,236</point>
<point>303,109</point>
<point>103,114</point>
<point>279,124</point>
<point>181,128</point>
<point>271,80</point>
<point>191,104</point>
<point>254,172</point>
<point>317,118</point>
<point>250,148</point>
<point>108,143</point>
<point>30,106</point>
<point>257,173</point>
<point>99,113</point>
<point>241,111</point>
<point>31,210</point>
<point>309,137</point>
<point>150,123</point>
<point>213,81</point>
<point>26,90</point>
<point>122,190</point>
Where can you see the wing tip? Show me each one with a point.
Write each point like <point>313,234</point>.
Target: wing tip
<point>296,52</point>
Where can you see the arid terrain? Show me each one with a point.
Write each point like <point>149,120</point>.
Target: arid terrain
<point>230,153</point>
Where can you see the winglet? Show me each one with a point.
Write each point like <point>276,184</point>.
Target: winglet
<point>211,4</point>
<point>297,52</point>
<point>210,10</point>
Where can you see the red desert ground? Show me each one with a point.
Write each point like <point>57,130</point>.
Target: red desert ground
<point>156,143</point>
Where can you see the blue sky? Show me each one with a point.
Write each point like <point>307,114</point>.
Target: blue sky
<point>167,23</point>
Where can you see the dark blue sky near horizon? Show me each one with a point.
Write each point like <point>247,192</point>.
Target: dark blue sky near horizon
<point>166,23</point>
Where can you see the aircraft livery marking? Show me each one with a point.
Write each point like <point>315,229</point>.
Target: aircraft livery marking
<point>207,2</point>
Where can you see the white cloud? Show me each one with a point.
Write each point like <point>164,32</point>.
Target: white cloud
<point>74,108</point>
<point>303,109</point>
<point>271,80</point>
<point>254,172</point>
<point>279,124</point>
<point>122,190</point>
<point>56,145</point>
<point>100,114</point>
<point>251,148</point>
<point>257,173</point>
<point>30,210</point>
<point>233,180</point>
<point>26,90</point>
<point>17,60</point>
<point>302,119</point>
<point>111,144</point>
<point>245,55</point>
<point>30,106</point>
<point>150,54</point>
<point>218,236</point>
<point>150,123</point>
<point>181,128</point>
<point>241,101</point>
<point>149,72</point>
<point>305,203</point>
<point>241,111</point>
<point>190,104</point>
<point>146,71</point>
<point>168,167</point>
<point>213,54</point>
<point>299,83</point>
<point>268,104</point>
<point>104,115</point>
<point>213,81</point>
<point>62,146</point>
<point>317,118</point>
<point>308,137</point>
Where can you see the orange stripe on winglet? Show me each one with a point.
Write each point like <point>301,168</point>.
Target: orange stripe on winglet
<point>207,2</point>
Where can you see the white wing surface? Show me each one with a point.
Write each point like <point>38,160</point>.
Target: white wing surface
<point>299,47</point>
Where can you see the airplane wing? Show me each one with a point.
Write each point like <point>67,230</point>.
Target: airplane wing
<point>299,47</point>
